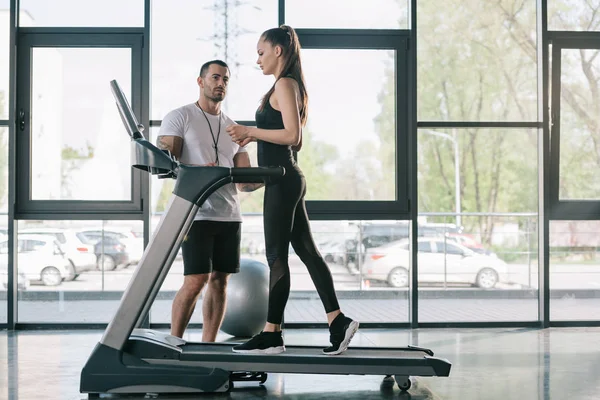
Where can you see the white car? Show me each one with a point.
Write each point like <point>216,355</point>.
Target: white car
<point>439,261</point>
<point>39,258</point>
<point>80,254</point>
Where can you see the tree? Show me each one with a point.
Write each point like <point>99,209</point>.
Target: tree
<point>473,69</point>
<point>478,63</point>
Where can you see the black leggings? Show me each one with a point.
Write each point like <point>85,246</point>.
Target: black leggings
<point>285,222</point>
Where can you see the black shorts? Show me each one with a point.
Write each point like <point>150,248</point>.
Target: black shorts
<point>212,246</point>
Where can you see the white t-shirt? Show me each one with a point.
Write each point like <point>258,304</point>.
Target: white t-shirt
<point>188,122</point>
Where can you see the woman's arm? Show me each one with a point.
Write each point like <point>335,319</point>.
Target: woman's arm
<point>286,96</point>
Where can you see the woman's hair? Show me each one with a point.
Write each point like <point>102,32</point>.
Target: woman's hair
<point>286,38</point>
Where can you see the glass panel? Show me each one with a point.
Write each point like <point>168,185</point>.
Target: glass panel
<point>490,256</point>
<point>485,270</point>
<point>75,271</point>
<point>3,221</point>
<point>106,13</point>
<point>579,124</point>
<point>4,61</point>
<point>476,61</point>
<point>79,145</point>
<point>495,170</point>
<point>574,270</point>
<point>568,15</point>
<point>349,144</point>
<point>359,292</point>
<point>3,265</point>
<point>353,14</point>
<point>229,31</point>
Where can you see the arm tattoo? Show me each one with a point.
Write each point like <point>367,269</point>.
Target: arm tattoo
<point>163,144</point>
<point>250,187</point>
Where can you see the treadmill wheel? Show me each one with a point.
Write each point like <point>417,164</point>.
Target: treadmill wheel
<point>388,382</point>
<point>403,382</point>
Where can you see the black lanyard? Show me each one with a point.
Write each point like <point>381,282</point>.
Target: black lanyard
<point>215,141</point>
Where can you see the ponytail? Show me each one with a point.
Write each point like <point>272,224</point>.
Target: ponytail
<point>285,37</point>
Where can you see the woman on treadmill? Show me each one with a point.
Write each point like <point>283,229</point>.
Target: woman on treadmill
<point>279,121</point>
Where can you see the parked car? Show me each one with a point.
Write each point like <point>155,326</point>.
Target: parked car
<point>80,255</point>
<point>379,233</point>
<point>40,258</point>
<point>439,261</point>
<point>133,243</point>
<point>110,252</point>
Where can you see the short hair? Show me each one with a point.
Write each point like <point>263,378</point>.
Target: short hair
<point>204,68</point>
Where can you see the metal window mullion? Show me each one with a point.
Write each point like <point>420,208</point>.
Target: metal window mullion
<point>11,304</point>
<point>544,158</point>
<point>412,117</point>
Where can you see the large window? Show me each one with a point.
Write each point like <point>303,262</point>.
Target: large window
<point>574,270</point>
<point>82,13</point>
<point>579,124</point>
<point>476,61</point>
<point>80,150</point>
<point>350,140</point>
<point>74,271</point>
<point>229,30</point>
<point>490,254</point>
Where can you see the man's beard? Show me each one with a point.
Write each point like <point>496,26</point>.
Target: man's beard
<point>215,97</point>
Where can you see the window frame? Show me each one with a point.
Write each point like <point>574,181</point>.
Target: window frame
<point>566,209</point>
<point>29,38</point>
<point>367,39</point>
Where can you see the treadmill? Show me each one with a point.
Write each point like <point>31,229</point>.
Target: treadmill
<point>130,360</point>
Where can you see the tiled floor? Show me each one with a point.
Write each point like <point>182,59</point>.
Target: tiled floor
<point>486,364</point>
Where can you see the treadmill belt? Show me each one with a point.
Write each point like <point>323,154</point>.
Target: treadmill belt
<point>304,351</point>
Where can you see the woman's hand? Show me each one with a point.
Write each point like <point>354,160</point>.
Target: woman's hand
<point>244,142</point>
<point>239,133</point>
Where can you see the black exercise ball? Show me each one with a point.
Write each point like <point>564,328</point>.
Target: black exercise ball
<point>247,300</point>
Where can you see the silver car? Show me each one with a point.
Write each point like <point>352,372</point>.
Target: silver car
<point>439,261</point>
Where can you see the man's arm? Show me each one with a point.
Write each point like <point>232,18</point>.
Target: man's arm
<point>172,143</point>
<point>241,160</point>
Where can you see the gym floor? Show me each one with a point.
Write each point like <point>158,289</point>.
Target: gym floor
<point>492,364</point>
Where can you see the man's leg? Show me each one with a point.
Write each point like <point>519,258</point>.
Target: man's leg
<point>197,251</point>
<point>213,305</point>
<point>226,261</point>
<point>185,302</point>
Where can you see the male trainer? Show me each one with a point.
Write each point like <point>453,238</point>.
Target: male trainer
<point>195,134</point>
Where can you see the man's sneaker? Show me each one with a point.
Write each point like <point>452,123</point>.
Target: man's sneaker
<point>341,331</point>
<point>263,343</point>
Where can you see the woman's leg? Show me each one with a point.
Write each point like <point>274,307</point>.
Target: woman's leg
<point>278,213</point>
<point>341,328</point>
<point>304,246</point>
